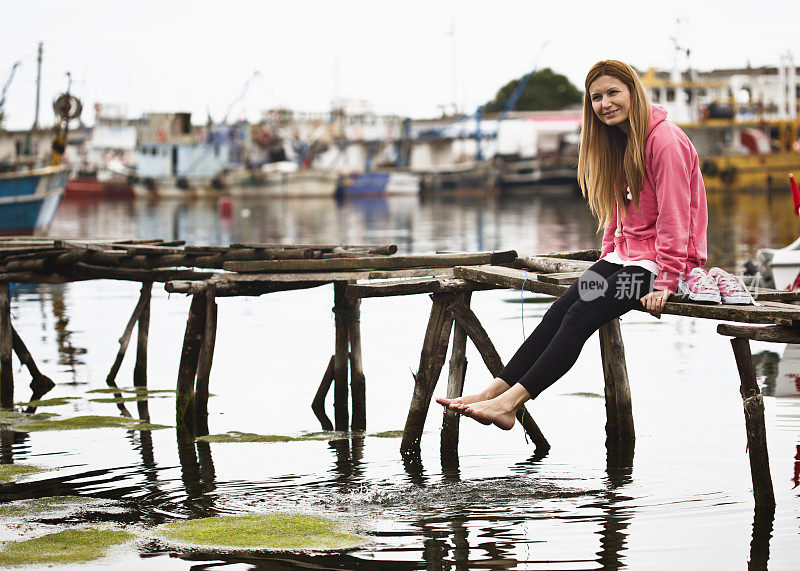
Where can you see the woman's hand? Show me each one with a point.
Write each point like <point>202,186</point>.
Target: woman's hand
<point>655,301</point>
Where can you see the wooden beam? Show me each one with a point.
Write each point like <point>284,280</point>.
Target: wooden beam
<point>143,330</point>
<point>358,385</point>
<point>144,301</point>
<point>40,384</point>
<point>190,352</point>
<point>318,404</point>
<point>6,348</point>
<point>341,414</point>
<point>770,333</point>
<point>552,265</point>
<point>465,317</point>
<point>455,384</point>
<point>583,255</point>
<point>434,351</point>
<point>620,433</point>
<point>753,404</point>
<point>373,262</point>
<point>205,361</point>
<point>412,286</point>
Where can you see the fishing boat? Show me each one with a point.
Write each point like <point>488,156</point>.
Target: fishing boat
<point>29,199</point>
<point>377,183</point>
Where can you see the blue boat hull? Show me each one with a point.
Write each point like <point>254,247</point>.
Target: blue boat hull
<point>29,199</point>
<point>365,184</point>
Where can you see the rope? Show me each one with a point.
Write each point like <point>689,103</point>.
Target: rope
<point>522,304</point>
<point>346,314</point>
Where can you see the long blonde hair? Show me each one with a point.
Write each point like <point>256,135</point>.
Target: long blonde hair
<point>609,159</point>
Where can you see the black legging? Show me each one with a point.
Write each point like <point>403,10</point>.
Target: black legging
<point>554,346</point>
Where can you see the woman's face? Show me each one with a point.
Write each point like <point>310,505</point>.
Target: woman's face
<point>611,100</point>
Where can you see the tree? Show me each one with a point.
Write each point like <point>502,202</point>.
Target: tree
<point>546,91</point>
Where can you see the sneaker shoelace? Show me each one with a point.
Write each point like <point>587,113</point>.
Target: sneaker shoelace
<point>729,283</point>
<point>704,281</point>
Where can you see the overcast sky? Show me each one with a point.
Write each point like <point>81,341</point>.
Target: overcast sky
<point>407,58</point>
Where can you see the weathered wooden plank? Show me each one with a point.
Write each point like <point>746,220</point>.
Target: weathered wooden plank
<point>6,348</point>
<point>785,314</point>
<point>373,262</point>
<point>561,278</point>
<point>411,286</point>
<point>551,265</point>
<point>754,424</point>
<point>299,277</point>
<point>583,255</point>
<point>770,333</point>
<point>387,248</point>
<point>509,278</point>
<point>88,271</point>
<point>225,288</point>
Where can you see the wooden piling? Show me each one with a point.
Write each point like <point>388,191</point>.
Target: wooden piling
<point>465,317</point>
<point>754,423</point>
<point>434,351</point>
<point>455,385</point>
<point>620,434</point>
<point>358,385</point>
<point>6,348</point>
<point>144,301</point>
<point>143,329</point>
<point>204,362</point>
<point>318,404</point>
<point>40,384</point>
<point>187,370</point>
<point>341,414</point>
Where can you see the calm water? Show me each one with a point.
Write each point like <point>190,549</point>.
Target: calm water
<point>685,502</point>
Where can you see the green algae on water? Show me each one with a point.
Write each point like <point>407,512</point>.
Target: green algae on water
<point>69,546</point>
<point>58,401</point>
<point>585,395</point>
<point>48,506</point>
<point>388,434</point>
<point>91,421</point>
<point>135,390</point>
<point>10,472</point>
<point>283,532</point>
<point>235,436</point>
<point>13,417</point>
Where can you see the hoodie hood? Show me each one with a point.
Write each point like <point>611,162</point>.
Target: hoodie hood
<point>657,115</point>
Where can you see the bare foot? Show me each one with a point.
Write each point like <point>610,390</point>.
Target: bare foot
<point>489,412</point>
<point>495,388</point>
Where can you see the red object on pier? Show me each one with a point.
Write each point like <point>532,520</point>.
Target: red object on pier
<point>795,194</point>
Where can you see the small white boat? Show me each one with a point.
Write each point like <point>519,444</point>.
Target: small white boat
<point>780,267</point>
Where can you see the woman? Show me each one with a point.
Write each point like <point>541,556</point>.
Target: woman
<point>641,176</point>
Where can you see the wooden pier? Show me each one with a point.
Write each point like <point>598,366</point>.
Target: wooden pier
<point>358,272</point>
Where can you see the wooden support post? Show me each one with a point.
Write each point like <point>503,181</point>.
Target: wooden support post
<point>754,424</point>
<point>358,383</point>
<point>341,414</point>
<point>144,301</point>
<point>434,351</point>
<point>318,405</point>
<point>40,384</point>
<point>455,385</point>
<point>6,348</point>
<point>205,360</point>
<point>620,434</point>
<point>187,370</point>
<point>140,368</point>
<point>469,321</point>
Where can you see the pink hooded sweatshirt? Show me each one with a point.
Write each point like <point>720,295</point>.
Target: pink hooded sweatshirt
<point>669,226</point>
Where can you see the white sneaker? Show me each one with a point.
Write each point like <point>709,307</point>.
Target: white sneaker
<point>699,286</point>
<point>730,288</point>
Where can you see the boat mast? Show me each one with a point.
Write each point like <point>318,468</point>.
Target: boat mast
<point>38,86</point>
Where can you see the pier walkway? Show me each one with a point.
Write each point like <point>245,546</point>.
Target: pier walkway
<point>358,272</point>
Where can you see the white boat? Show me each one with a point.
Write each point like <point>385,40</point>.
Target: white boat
<point>283,179</point>
<point>780,267</point>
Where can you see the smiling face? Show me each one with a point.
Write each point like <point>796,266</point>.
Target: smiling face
<point>611,101</point>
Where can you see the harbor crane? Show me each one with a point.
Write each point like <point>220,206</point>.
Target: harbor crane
<point>6,86</point>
